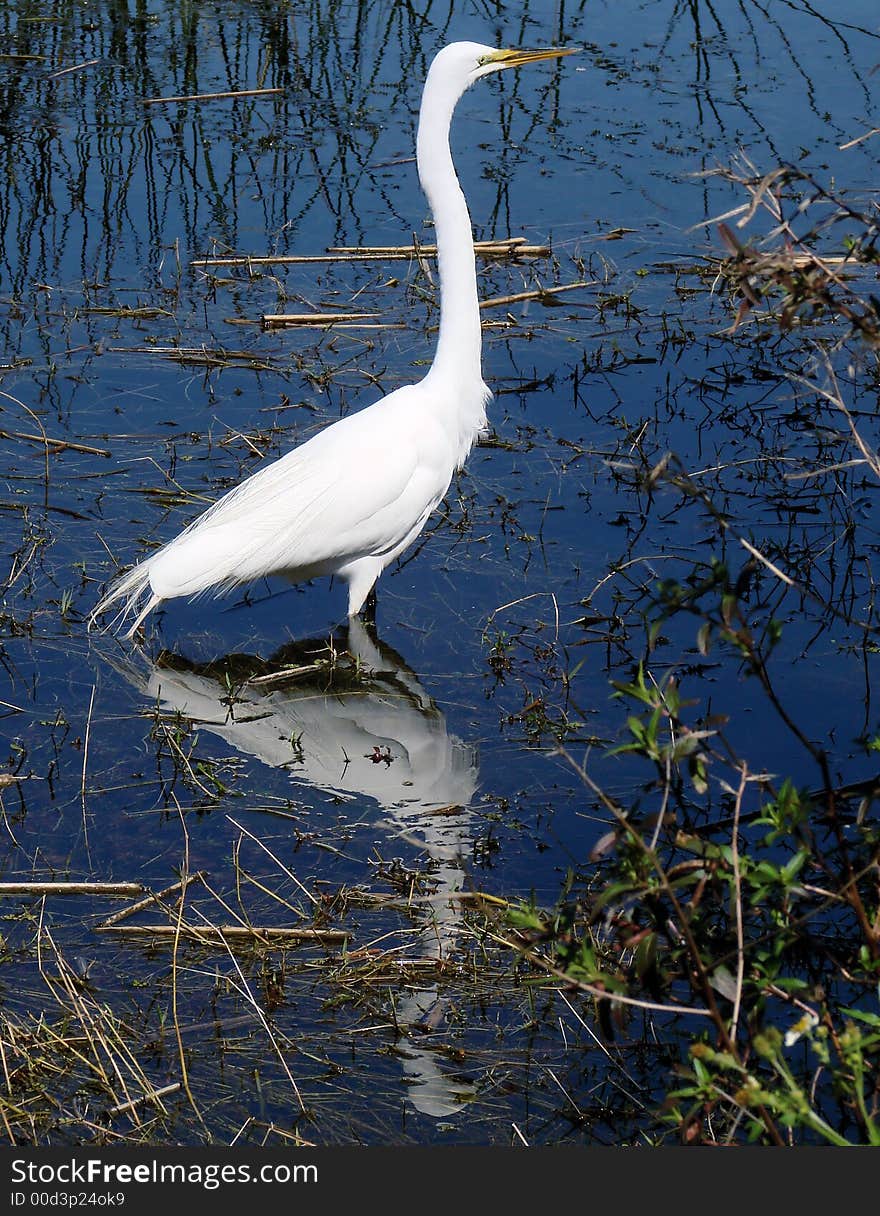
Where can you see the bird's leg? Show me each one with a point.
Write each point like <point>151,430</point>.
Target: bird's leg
<point>368,612</point>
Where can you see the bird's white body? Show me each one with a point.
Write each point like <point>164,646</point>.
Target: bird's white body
<point>348,501</point>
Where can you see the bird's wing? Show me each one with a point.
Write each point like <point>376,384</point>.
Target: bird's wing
<point>358,488</point>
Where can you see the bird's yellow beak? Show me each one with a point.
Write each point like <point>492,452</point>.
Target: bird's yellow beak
<point>516,57</point>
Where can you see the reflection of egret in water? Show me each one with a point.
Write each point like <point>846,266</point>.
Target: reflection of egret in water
<point>366,728</point>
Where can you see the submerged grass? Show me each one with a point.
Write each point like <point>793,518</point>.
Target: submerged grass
<point>88,1070</point>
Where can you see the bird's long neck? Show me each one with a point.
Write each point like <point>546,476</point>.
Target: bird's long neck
<point>458,346</point>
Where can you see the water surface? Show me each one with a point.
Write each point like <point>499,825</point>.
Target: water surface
<point>158,388</point>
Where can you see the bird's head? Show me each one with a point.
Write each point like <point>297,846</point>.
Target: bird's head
<point>465,62</point>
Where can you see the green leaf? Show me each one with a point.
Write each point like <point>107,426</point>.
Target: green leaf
<point>870,1019</point>
<point>792,868</point>
<point>524,917</point>
<point>611,893</point>
<point>697,767</point>
<point>646,955</point>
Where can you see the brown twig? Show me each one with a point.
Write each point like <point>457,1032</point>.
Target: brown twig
<point>515,247</point>
<point>217,934</point>
<point>161,101</point>
<point>737,884</point>
<point>537,293</point>
<point>114,889</point>
<point>153,898</point>
<point>55,445</point>
<point>76,67</point>
<point>154,1095</point>
<point>274,320</point>
<point>851,143</point>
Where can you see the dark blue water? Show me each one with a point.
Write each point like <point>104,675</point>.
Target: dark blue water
<point>162,388</point>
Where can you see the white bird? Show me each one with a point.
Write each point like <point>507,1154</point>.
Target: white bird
<point>349,500</point>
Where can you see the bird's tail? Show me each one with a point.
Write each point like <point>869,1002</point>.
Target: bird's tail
<point>125,595</point>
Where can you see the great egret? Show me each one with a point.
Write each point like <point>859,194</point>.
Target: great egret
<point>352,498</point>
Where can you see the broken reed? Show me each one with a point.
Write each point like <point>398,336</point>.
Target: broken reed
<point>209,934</point>
<point>540,294</point>
<point>507,247</point>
